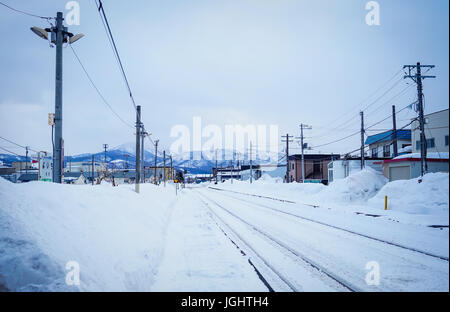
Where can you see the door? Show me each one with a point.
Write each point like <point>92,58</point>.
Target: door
<point>399,173</point>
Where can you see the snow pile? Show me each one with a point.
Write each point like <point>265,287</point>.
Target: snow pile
<point>433,155</point>
<point>115,235</point>
<point>357,187</point>
<point>266,178</point>
<point>430,197</point>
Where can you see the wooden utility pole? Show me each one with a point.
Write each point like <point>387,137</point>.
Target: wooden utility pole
<point>362,141</point>
<point>394,132</point>
<point>156,159</point>
<point>138,148</point>
<point>287,140</point>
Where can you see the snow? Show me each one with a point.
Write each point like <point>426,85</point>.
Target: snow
<point>160,240</point>
<point>114,234</point>
<point>432,155</point>
<point>430,197</point>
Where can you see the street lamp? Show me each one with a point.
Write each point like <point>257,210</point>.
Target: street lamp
<point>59,35</point>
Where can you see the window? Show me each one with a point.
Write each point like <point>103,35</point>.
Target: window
<point>446,140</point>
<point>293,166</point>
<point>375,152</point>
<point>430,144</point>
<point>387,151</point>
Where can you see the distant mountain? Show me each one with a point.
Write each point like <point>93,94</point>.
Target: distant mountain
<point>123,156</point>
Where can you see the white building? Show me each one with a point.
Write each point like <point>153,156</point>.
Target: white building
<point>342,168</point>
<point>436,132</point>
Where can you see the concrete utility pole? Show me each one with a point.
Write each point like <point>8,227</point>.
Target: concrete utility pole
<point>363,163</point>
<point>138,147</point>
<point>26,159</point>
<point>59,35</point>
<point>156,159</point>
<point>92,169</point>
<point>164,171</point>
<point>417,78</point>
<point>171,168</point>
<point>303,127</point>
<point>394,132</point>
<point>217,172</point>
<point>231,162</point>
<point>251,163</point>
<point>288,139</point>
<point>143,135</point>
<point>105,147</point>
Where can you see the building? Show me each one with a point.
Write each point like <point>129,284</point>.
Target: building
<point>408,166</point>
<point>316,167</point>
<point>342,168</point>
<point>436,132</point>
<point>20,165</point>
<point>84,166</point>
<point>381,144</point>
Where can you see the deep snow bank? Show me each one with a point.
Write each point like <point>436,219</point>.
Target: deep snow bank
<point>366,188</point>
<point>430,197</point>
<point>356,188</point>
<point>116,235</point>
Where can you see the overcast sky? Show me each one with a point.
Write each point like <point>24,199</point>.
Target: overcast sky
<point>243,62</point>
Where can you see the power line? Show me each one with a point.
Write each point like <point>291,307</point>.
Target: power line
<point>10,151</point>
<point>365,100</point>
<point>358,132</point>
<point>24,147</point>
<point>105,22</point>
<point>26,13</point>
<point>98,91</point>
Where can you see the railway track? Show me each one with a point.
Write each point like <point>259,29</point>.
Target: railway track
<point>288,251</point>
<point>262,206</point>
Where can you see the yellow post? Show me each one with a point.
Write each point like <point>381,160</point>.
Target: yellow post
<point>385,202</point>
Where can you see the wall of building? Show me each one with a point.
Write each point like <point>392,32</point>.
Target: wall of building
<point>436,128</point>
<point>380,151</point>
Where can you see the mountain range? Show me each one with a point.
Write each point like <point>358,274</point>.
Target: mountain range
<point>123,156</point>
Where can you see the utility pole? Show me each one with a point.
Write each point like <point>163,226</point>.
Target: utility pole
<point>417,78</point>
<point>303,127</point>
<point>143,135</point>
<point>394,132</point>
<point>363,164</point>
<point>251,163</point>
<point>156,159</point>
<point>92,169</point>
<point>164,171</point>
<point>26,159</point>
<point>288,139</point>
<point>231,161</point>
<point>126,161</point>
<point>105,147</point>
<point>59,35</point>
<point>171,168</point>
<point>138,148</point>
<point>216,167</point>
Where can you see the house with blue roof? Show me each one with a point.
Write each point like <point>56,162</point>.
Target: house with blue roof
<point>381,144</point>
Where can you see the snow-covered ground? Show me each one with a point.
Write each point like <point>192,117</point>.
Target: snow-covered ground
<point>227,237</point>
